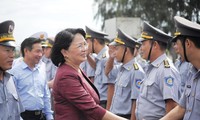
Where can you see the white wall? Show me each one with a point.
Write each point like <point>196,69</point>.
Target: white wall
<point>131,26</point>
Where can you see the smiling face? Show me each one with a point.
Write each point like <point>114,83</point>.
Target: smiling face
<point>77,51</point>
<point>34,55</point>
<point>145,48</point>
<point>6,57</point>
<point>175,46</point>
<point>178,47</point>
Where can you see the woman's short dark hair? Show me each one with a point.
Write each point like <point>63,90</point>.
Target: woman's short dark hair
<point>28,44</point>
<point>63,40</point>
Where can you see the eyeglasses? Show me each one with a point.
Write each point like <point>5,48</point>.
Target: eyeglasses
<point>82,46</point>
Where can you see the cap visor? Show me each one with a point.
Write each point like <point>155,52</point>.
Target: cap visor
<point>174,39</point>
<point>9,43</point>
<point>140,40</point>
<point>44,45</point>
<point>114,43</point>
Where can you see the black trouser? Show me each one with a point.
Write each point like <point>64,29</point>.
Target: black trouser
<point>33,115</point>
<point>128,116</point>
<point>103,103</point>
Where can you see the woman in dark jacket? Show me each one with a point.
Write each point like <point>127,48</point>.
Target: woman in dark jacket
<point>75,97</point>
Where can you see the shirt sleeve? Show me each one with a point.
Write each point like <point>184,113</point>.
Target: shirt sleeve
<point>169,84</point>
<point>72,90</point>
<point>47,103</point>
<point>135,85</point>
<point>54,69</point>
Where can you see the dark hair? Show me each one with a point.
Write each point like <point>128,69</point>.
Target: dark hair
<point>28,44</point>
<point>101,41</point>
<point>132,49</point>
<point>163,46</point>
<point>195,40</point>
<point>63,40</point>
<point>181,38</point>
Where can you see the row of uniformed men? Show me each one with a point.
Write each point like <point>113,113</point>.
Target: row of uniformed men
<point>156,91</point>
<point>131,92</point>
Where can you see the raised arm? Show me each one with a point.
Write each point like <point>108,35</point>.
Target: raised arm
<point>110,61</point>
<point>91,61</point>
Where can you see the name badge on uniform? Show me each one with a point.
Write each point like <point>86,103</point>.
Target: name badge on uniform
<point>169,81</point>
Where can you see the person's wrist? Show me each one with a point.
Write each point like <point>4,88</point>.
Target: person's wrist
<point>112,58</point>
<point>88,55</point>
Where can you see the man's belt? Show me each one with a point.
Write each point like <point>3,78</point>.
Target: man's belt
<point>128,116</point>
<point>33,112</point>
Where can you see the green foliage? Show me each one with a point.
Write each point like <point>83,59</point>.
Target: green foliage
<point>159,13</point>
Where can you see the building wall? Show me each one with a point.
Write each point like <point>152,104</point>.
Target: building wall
<point>131,26</point>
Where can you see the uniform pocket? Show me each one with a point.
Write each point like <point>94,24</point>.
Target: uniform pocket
<point>40,94</point>
<point>98,71</point>
<point>198,95</point>
<point>146,88</point>
<point>1,108</point>
<point>14,103</point>
<point>1,100</point>
<point>98,75</point>
<point>122,87</point>
<point>15,96</point>
<point>197,102</point>
<point>15,107</point>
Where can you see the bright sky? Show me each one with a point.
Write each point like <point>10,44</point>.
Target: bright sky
<point>51,16</point>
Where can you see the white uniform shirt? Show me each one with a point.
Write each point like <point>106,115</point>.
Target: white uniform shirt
<point>161,83</point>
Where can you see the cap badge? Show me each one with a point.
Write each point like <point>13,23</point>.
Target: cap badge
<point>177,33</point>
<point>10,29</point>
<point>41,36</point>
<point>146,36</point>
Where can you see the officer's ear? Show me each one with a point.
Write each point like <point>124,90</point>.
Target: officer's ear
<point>155,44</point>
<point>95,41</point>
<point>189,43</point>
<point>136,51</point>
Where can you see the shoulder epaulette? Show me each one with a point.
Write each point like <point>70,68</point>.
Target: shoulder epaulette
<point>166,64</point>
<point>135,66</point>
<point>103,55</point>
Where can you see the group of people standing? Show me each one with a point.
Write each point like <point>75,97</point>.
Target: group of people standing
<point>25,92</point>
<point>100,80</point>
